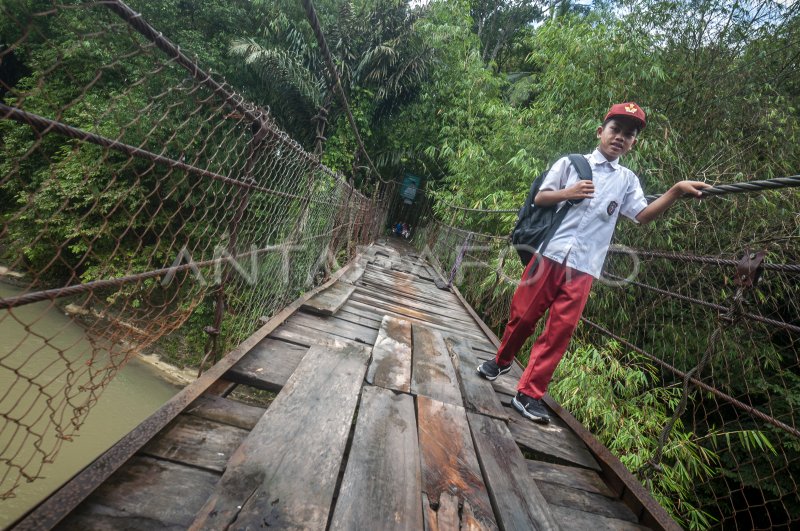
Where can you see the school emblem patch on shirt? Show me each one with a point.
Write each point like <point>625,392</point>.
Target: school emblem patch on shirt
<point>612,206</point>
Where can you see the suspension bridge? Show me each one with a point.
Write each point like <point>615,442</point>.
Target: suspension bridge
<point>139,206</point>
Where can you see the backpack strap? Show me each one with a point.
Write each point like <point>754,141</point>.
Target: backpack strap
<point>582,166</point>
<point>585,173</point>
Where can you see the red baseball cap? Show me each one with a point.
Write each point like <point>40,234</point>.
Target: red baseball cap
<point>628,110</point>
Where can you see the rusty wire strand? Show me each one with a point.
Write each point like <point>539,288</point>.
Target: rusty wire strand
<point>716,190</point>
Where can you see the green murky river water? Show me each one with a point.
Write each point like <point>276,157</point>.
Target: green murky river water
<point>135,392</point>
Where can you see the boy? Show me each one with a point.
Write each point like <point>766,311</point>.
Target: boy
<point>575,254</point>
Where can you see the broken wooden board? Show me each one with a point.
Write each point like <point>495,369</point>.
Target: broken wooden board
<point>344,314</point>
<point>519,503</point>
<point>225,410</point>
<point>433,374</point>
<point>393,296</point>
<point>268,365</point>
<point>381,485</point>
<point>574,519</point>
<point>196,441</point>
<point>292,333</point>
<point>353,275</point>
<point>411,287</point>
<point>411,292</point>
<point>391,356</point>
<point>284,474</point>
<point>588,502</point>
<point>366,309</point>
<point>329,301</point>
<point>451,475</point>
<point>553,442</point>
<point>295,333</point>
<point>570,476</point>
<point>448,515</point>
<point>334,326</point>
<point>145,494</point>
<point>476,391</point>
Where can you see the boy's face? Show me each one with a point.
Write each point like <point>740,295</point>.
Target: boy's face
<point>617,137</point>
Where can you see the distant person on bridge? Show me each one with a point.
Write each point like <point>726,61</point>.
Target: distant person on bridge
<point>561,278</point>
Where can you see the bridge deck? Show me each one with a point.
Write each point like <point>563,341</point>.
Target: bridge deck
<point>380,422</point>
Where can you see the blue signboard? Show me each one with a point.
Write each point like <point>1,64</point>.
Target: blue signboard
<point>408,190</point>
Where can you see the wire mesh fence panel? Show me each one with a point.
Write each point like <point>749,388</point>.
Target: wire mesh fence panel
<point>149,201</point>
<point>687,361</point>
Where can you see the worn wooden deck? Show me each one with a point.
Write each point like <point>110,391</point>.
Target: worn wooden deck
<point>380,422</point>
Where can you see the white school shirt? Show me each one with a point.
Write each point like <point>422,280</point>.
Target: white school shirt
<point>585,233</point>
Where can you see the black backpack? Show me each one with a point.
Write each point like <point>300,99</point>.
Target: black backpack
<point>536,225</point>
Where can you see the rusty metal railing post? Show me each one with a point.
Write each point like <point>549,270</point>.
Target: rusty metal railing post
<point>242,198</point>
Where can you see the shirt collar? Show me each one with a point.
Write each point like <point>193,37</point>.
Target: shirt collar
<point>598,159</point>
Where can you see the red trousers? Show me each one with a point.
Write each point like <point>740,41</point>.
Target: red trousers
<point>564,291</point>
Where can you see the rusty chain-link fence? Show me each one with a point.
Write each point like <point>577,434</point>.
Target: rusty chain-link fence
<point>151,202</point>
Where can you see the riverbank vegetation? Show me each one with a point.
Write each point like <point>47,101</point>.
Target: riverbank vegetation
<point>477,97</point>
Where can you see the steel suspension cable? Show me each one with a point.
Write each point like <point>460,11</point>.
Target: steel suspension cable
<point>336,82</point>
<point>791,181</point>
<point>686,257</point>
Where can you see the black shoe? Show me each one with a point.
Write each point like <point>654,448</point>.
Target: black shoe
<point>532,408</point>
<point>491,370</point>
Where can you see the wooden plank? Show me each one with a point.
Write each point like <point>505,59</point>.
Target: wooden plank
<point>400,279</point>
<point>285,472</point>
<point>226,411</point>
<point>451,475</point>
<point>221,387</point>
<point>588,502</point>
<point>145,494</point>
<point>382,482</point>
<point>570,476</point>
<point>422,291</point>
<point>506,385</point>
<point>433,374</point>
<point>394,294</point>
<point>366,310</point>
<point>574,519</point>
<point>332,325</point>
<point>268,365</point>
<point>196,441</point>
<point>439,310</point>
<point>553,442</point>
<point>330,300</point>
<point>476,391</point>
<point>294,333</point>
<point>373,322</point>
<point>391,356</point>
<point>410,292</point>
<point>405,312</point>
<point>373,294</point>
<point>514,493</point>
<point>357,270</point>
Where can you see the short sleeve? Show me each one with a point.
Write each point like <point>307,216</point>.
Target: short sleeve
<point>556,178</point>
<point>634,201</point>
